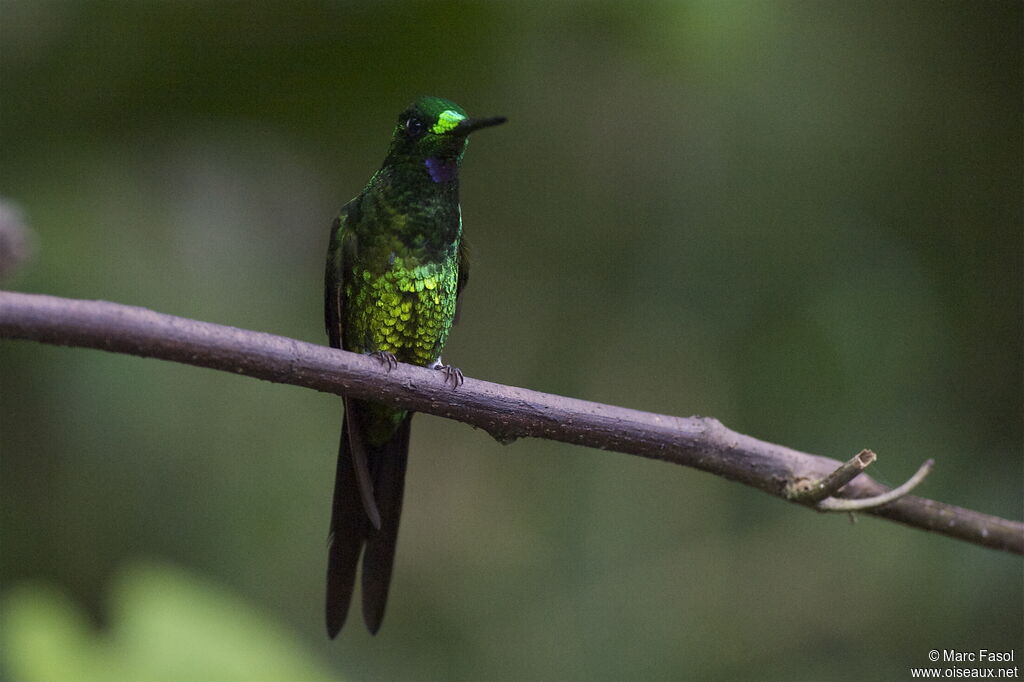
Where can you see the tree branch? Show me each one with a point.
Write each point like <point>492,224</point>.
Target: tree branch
<point>506,412</point>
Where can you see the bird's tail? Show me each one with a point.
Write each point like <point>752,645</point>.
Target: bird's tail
<point>369,483</point>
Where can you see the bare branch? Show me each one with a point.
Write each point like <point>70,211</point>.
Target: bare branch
<point>506,412</point>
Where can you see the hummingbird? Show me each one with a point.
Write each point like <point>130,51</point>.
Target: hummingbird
<point>396,265</point>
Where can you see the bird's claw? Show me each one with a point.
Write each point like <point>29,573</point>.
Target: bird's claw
<point>386,358</point>
<point>452,374</point>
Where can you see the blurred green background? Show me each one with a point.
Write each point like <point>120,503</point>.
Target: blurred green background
<point>803,218</point>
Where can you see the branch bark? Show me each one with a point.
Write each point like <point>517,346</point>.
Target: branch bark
<point>506,412</point>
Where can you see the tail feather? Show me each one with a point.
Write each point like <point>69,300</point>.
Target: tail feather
<point>360,453</point>
<point>379,556</point>
<point>351,528</point>
<point>348,532</point>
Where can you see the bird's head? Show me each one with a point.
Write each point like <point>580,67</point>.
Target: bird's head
<point>432,131</point>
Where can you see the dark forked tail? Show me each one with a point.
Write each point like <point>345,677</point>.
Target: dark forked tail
<point>351,527</point>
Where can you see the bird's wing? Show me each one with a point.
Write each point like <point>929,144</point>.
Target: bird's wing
<point>463,277</point>
<point>340,254</point>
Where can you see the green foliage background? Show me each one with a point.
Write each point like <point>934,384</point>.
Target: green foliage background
<point>803,218</point>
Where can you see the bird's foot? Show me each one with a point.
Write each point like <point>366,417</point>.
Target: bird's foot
<point>452,374</point>
<point>386,358</point>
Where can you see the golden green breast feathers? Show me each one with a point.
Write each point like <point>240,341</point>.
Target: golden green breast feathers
<point>410,313</point>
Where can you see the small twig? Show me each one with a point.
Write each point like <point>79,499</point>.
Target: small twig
<point>837,504</point>
<point>810,492</point>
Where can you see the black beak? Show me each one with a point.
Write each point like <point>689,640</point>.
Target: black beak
<point>468,125</point>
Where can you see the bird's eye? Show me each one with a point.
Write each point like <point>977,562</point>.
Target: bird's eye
<point>415,126</point>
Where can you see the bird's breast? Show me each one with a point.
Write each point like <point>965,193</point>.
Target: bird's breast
<point>403,306</point>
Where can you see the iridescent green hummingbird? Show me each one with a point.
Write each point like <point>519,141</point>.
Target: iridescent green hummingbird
<point>396,265</point>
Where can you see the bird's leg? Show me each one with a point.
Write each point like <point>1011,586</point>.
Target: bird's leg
<point>451,374</point>
<point>385,358</point>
